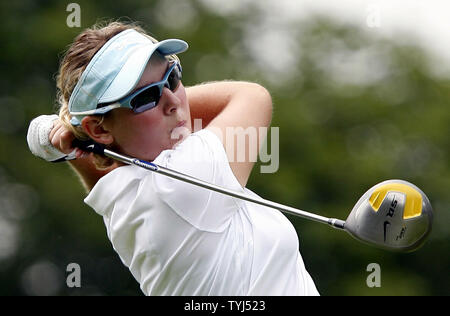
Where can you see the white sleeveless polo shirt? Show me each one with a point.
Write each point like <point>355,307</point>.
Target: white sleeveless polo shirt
<point>180,239</point>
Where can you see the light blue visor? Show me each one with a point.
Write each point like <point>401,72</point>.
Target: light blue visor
<point>115,70</point>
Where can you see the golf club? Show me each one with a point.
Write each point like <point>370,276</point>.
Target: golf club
<point>394,214</point>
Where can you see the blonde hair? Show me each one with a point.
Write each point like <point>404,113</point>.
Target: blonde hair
<point>75,61</point>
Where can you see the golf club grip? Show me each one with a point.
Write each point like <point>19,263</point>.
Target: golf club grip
<point>88,145</point>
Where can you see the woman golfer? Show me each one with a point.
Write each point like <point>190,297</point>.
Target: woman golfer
<point>121,88</point>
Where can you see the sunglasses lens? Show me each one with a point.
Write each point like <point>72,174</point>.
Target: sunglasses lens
<point>145,100</point>
<point>149,98</point>
<point>174,78</point>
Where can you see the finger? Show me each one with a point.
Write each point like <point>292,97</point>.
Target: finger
<point>61,142</point>
<point>78,153</point>
<point>56,122</point>
<point>54,130</point>
<point>56,138</point>
<point>67,138</point>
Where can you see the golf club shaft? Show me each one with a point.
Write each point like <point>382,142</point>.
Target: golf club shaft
<point>183,177</point>
<point>335,223</point>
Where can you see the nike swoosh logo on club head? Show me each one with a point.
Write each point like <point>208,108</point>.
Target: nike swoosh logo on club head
<point>386,224</point>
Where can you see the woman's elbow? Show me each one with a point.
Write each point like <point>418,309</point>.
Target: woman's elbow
<point>261,94</point>
<point>263,99</point>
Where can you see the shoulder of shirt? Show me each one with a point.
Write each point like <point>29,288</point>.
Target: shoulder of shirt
<point>111,185</point>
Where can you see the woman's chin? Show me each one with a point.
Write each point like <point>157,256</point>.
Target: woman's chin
<point>179,134</point>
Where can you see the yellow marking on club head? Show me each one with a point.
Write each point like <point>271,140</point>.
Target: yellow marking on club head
<point>413,205</point>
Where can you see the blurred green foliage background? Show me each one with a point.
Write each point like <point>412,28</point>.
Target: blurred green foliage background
<point>353,109</point>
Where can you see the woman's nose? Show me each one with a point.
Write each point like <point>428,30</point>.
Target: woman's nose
<point>171,101</point>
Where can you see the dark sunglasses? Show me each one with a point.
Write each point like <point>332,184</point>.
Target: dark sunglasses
<point>147,97</point>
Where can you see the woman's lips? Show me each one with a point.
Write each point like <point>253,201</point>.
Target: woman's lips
<point>181,123</point>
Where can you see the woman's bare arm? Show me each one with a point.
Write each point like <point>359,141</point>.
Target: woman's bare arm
<point>234,110</point>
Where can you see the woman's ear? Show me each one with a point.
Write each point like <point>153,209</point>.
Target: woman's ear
<point>94,127</point>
